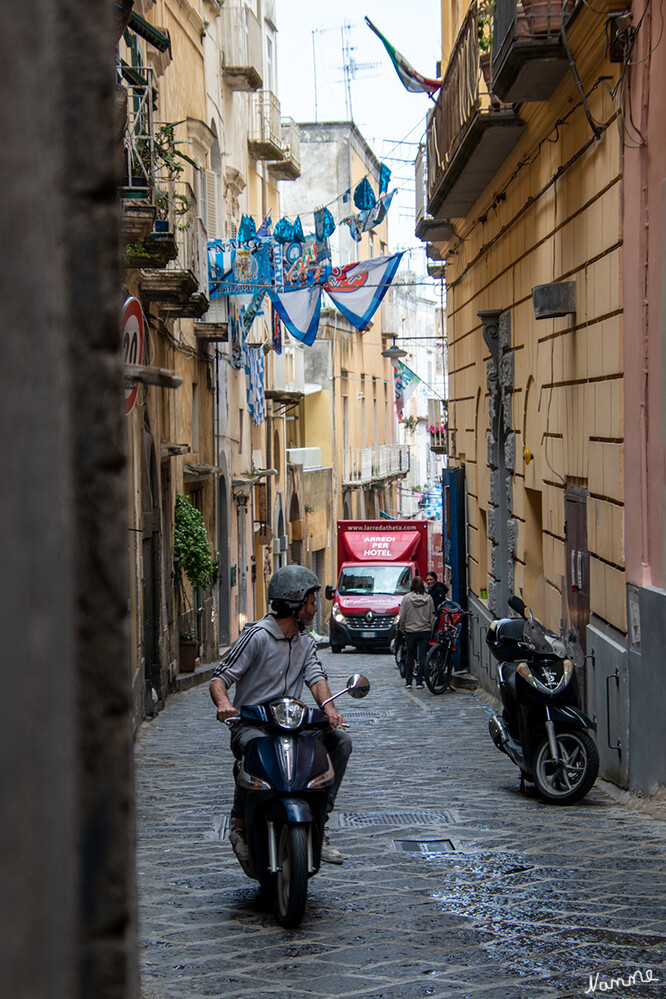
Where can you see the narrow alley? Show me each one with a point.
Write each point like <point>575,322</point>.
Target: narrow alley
<point>455,885</point>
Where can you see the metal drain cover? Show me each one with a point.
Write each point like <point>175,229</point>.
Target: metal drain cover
<point>357,820</point>
<point>426,847</point>
<point>365,715</point>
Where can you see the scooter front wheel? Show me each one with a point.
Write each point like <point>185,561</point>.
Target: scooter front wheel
<point>291,880</point>
<point>571,776</point>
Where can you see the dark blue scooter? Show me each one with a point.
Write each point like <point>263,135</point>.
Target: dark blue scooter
<point>283,781</point>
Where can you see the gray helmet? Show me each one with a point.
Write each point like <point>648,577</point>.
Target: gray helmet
<point>291,584</point>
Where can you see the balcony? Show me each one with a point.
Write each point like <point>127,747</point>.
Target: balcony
<point>242,54</point>
<point>135,105</point>
<point>365,465</point>
<point>470,133</point>
<point>213,327</point>
<point>264,138</point>
<point>308,457</point>
<point>181,288</point>
<point>427,228</point>
<point>289,167</point>
<point>529,59</point>
<point>439,439</point>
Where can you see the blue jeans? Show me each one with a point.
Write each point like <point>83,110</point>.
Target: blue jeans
<point>417,649</point>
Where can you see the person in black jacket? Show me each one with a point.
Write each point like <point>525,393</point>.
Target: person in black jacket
<point>436,589</point>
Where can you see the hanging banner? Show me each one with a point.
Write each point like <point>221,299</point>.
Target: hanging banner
<point>276,331</point>
<point>254,371</point>
<point>405,383</point>
<point>301,265</point>
<point>358,289</point>
<point>236,268</point>
<point>299,310</point>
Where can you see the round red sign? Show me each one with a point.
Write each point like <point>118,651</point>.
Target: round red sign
<point>132,344</point>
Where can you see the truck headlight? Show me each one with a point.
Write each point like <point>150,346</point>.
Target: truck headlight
<point>337,614</point>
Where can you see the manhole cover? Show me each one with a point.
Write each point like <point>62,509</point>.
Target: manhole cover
<point>356,820</point>
<point>429,846</point>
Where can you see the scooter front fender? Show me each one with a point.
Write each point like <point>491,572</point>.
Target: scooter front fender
<point>290,810</point>
<point>566,714</point>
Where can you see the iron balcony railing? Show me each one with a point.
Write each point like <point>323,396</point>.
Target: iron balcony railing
<point>139,134</point>
<point>373,464</point>
<point>289,167</point>
<point>183,220</point>
<point>463,93</point>
<point>265,126</point>
<point>241,48</point>
<point>532,19</point>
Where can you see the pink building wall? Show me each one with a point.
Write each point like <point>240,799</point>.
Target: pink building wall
<point>644,319</point>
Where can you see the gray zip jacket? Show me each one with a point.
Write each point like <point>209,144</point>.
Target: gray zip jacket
<point>265,665</point>
<point>417,613</point>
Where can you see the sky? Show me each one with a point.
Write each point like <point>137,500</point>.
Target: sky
<point>325,35</point>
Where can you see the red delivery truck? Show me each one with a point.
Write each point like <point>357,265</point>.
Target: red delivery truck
<point>377,560</point>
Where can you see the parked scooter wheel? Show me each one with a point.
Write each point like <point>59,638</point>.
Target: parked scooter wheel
<point>291,880</point>
<point>438,668</point>
<point>572,777</point>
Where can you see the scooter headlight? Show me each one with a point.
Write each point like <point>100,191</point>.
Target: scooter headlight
<point>551,685</point>
<point>288,712</point>
<point>526,674</point>
<point>250,781</point>
<point>337,614</point>
<point>322,780</point>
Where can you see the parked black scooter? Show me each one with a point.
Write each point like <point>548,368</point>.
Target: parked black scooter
<point>542,728</point>
<point>283,781</point>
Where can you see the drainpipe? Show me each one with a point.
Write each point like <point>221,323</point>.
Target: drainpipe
<point>645,322</point>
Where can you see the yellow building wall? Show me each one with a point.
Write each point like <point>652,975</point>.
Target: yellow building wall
<point>567,401</point>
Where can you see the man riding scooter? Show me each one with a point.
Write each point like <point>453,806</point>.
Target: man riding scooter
<point>271,659</point>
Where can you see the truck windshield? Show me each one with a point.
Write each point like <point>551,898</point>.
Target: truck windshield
<point>392,579</point>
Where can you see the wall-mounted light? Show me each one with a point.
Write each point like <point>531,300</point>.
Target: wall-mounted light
<point>394,353</point>
<point>553,300</point>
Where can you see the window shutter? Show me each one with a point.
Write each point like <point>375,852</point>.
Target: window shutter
<point>211,181</point>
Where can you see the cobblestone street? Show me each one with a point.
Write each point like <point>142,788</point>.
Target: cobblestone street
<point>455,885</point>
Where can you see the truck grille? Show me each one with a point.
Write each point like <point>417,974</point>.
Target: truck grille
<point>380,622</point>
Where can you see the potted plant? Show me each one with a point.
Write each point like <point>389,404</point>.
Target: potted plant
<point>188,648</point>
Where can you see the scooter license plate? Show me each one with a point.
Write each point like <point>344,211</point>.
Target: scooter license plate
<point>368,634</point>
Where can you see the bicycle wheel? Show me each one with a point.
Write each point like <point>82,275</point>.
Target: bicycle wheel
<point>401,659</point>
<point>438,668</point>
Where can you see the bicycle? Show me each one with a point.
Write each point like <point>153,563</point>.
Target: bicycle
<point>439,661</point>
<point>401,655</point>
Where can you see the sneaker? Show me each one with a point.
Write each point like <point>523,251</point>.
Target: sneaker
<point>238,840</point>
<point>419,686</point>
<point>329,854</point>
<point>408,684</point>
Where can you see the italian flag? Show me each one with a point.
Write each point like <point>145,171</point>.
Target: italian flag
<point>411,80</point>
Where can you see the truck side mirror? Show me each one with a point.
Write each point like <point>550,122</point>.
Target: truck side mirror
<point>330,592</point>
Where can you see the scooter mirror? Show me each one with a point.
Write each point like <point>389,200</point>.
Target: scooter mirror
<point>358,686</point>
<point>515,603</point>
